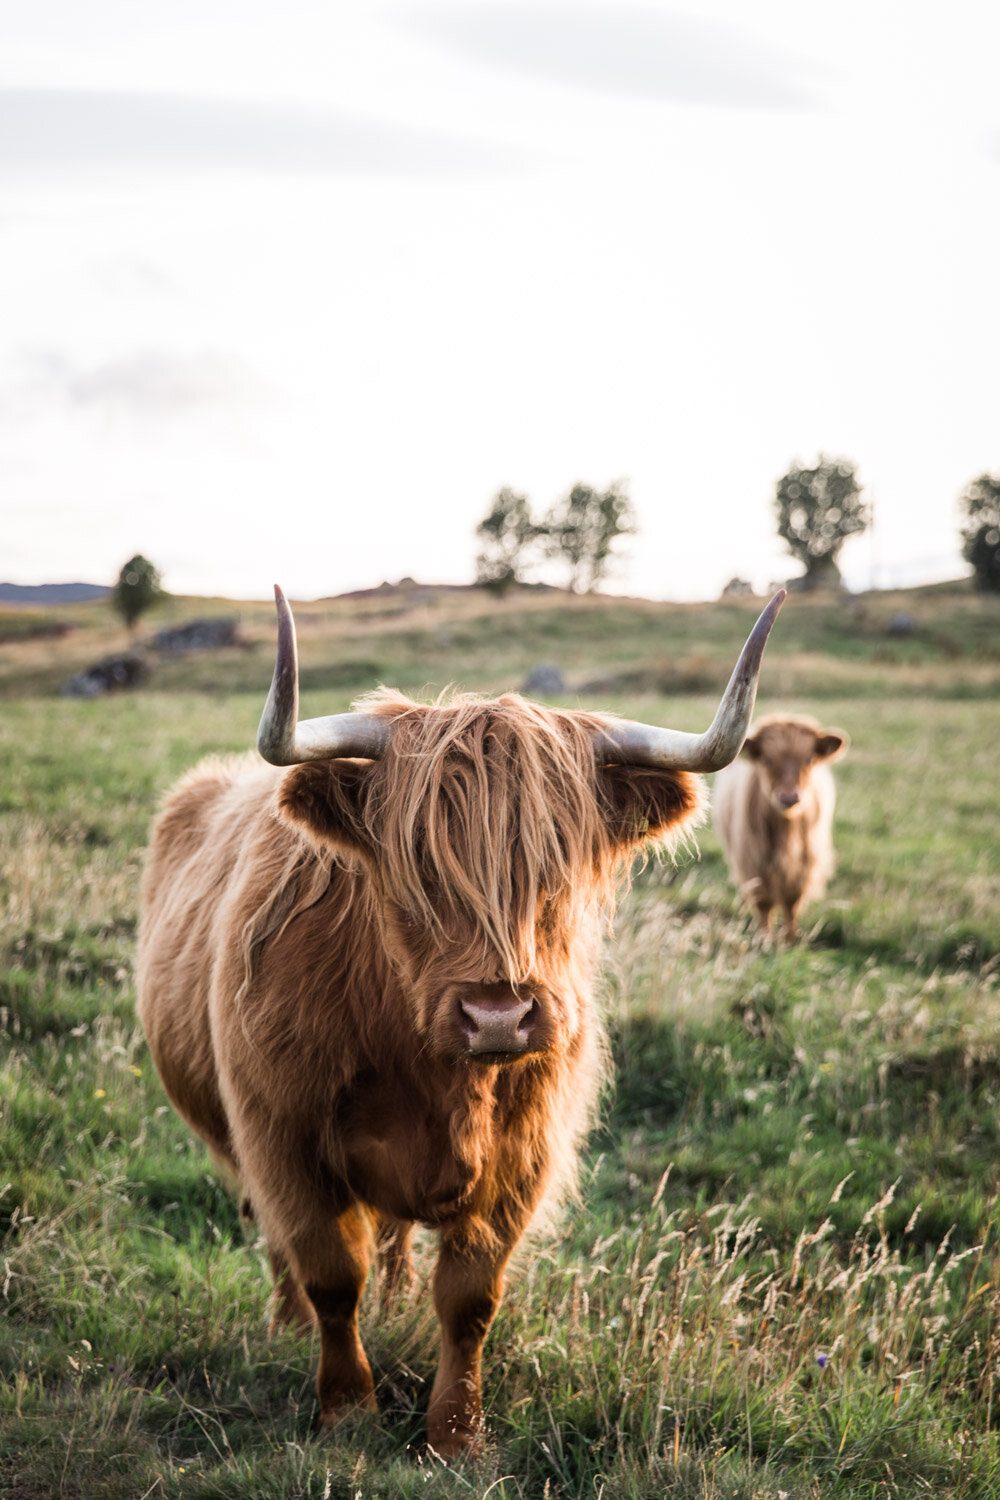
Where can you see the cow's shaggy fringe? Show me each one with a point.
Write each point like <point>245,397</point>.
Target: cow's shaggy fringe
<point>475,813</point>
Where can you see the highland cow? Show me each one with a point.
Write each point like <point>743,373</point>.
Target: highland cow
<point>365,978</point>
<point>773,811</point>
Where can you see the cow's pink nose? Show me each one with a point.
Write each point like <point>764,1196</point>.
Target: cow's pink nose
<point>502,1024</point>
<point>788,799</point>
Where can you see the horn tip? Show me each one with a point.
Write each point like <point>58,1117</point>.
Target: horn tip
<point>771,611</point>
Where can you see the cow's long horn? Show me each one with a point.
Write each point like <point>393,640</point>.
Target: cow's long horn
<point>283,740</point>
<point>671,749</point>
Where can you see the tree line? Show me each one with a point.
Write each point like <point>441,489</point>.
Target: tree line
<point>816,509</point>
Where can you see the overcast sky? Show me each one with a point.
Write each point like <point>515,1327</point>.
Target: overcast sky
<point>288,292</point>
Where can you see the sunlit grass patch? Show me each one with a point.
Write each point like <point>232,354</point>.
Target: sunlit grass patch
<point>670,1336</point>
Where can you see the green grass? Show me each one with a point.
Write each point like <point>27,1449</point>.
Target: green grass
<point>782,1278</point>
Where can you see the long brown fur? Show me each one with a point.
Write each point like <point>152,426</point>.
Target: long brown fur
<point>306,940</point>
<point>773,811</point>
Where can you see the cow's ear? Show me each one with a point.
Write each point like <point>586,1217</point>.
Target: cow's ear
<point>327,798</point>
<point>832,742</point>
<point>641,803</point>
<point>751,747</point>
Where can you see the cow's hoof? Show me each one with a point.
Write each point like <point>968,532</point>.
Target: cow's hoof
<point>349,1406</point>
<point>453,1443</point>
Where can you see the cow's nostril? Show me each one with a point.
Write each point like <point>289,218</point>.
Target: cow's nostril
<point>529,1019</point>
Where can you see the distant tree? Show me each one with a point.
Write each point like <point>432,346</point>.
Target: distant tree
<point>507,532</point>
<point>581,530</point>
<point>979,504</point>
<point>817,510</point>
<point>137,588</point>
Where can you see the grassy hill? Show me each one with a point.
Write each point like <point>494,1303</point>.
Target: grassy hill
<point>422,638</point>
<point>782,1278</point>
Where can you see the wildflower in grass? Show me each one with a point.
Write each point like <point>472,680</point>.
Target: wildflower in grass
<point>135,1070</point>
<point>822,1360</point>
<point>100,1093</point>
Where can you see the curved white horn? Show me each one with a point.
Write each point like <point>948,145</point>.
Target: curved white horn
<point>633,744</point>
<point>283,740</point>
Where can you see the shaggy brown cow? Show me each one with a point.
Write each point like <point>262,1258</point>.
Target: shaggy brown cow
<point>366,983</point>
<point>774,814</point>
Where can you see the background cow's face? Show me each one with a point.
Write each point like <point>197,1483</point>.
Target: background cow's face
<point>785,752</point>
<point>493,845</point>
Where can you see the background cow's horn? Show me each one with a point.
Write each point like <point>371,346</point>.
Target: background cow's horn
<point>282,740</point>
<point>671,749</point>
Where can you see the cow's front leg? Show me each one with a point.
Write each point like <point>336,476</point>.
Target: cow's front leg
<point>467,1288</point>
<point>331,1263</point>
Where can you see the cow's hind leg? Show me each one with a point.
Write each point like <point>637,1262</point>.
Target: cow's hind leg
<point>791,928</point>
<point>762,911</point>
<point>290,1307</point>
<point>395,1260</point>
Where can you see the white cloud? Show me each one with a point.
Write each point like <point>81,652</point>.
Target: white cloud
<point>143,382</point>
<point>80,129</point>
<point>636,50</point>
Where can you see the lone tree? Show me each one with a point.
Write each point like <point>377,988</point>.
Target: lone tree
<point>979,504</point>
<point>817,510</point>
<point>137,588</point>
<point>507,532</point>
<point>581,530</point>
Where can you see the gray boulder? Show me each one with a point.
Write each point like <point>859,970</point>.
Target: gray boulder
<point>111,675</point>
<point>198,635</point>
<point>546,678</point>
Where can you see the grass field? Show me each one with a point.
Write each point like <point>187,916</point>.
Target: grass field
<point>783,1276</point>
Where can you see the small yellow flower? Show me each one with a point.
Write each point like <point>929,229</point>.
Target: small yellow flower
<point>135,1070</point>
<point>100,1093</point>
